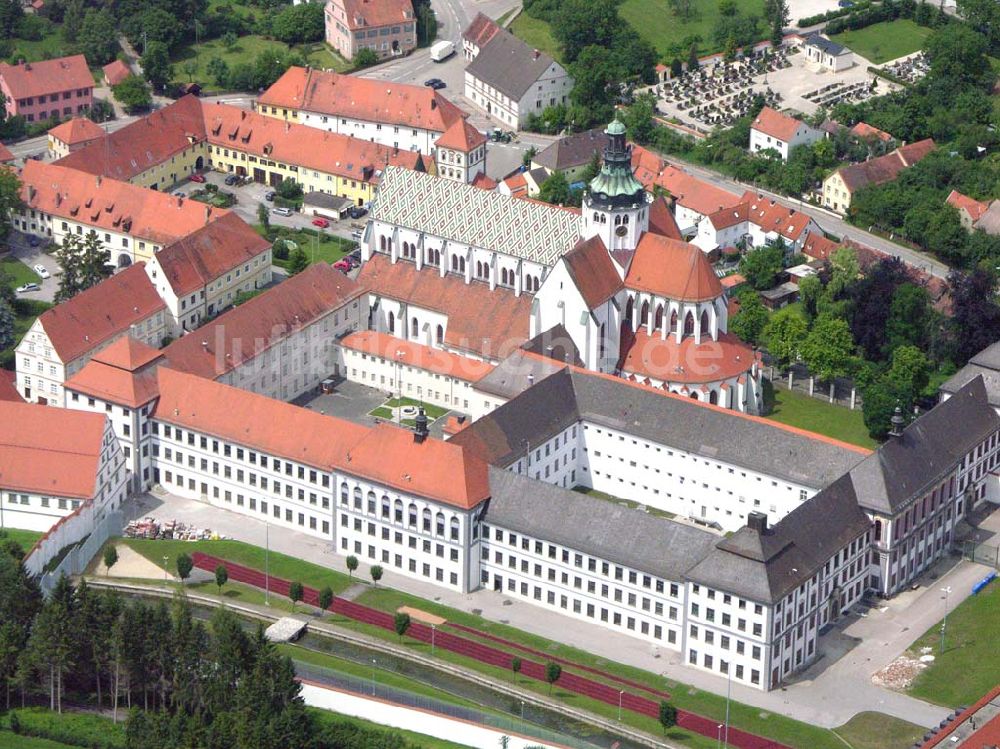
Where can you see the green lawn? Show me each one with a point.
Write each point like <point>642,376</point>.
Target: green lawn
<point>818,415</point>
<point>619,500</point>
<point>49,46</point>
<point>385,410</point>
<point>10,740</point>
<point>536,33</point>
<point>26,539</point>
<point>17,272</point>
<point>26,308</point>
<point>970,664</point>
<point>246,50</point>
<point>657,23</point>
<point>879,731</point>
<point>885,41</point>
<point>319,246</point>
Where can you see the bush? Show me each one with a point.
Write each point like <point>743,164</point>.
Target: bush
<point>830,15</point>
<point>280,249</point>
<point>73,729</point>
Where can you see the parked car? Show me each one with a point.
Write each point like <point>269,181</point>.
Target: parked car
<point>231,179</point>
<point>356,235</point>
<point>355,256</point>
<point>269,196</point>
<point>343,265</point>
<point>41,271</point>
<point>357,211</point>
<point>322,223</point>
<point>435,83</point>
<point>179,194</point>
<point>197,178</point>
<point>28,287</point>
<point>34,241</point>
<point>282,211</point>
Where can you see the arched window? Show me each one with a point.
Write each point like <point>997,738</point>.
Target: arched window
<point>344,491</point>
<point>704,322</point>
<point>439,336</point>
<point>461,265</point>
<point>479,269</point>
<point>694,394</point>
<point>392,323</point>
<point>398,510</point>
<point>370,508</point>
<point>604,218</point>
<point>600,344</point>
<point>658,319</point>
<point>629,308</point>
<point>436,254</point>
<point>689,324</point>
<point>597,217</point>
<point>385,507</point>
<point>713,397</point>
<point>425,518</point>
<point>625,220</point>
<point>673,321</point>
<point>454,262</point>
<point>454,529</point>
<point>414,328</point>
<point>644,315</point>
<point>439,524</point>
<point>618,220</point>
<point>357,498</point>
<point>381,243</point>
<point>411,512</point>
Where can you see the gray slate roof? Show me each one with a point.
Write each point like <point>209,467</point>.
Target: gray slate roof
<point>569,396</point>
<point>985,364</point>
<point>603,528</point>
<point>509,65</point>
<point>573,150</point>
<point>903,468</point>
<point>828,46</point>
<point>471,216</point>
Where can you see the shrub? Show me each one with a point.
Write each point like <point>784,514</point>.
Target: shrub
<point>73,729</point>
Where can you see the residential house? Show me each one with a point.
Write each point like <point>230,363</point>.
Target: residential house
<point>64,338</point>
<point>73,135</point>
<point>571,154</point>
<point>839,187</point>
<point>969,209</point>
<point>387,27</point>
<point>773,131</point>
<point>49,89</point>
<point>477,34</point>
<point>115,72</point>
<point>757,221</point>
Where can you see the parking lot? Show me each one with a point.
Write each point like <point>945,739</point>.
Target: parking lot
<point>30,253</point>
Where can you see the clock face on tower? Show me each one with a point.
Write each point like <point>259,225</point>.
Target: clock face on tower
<point>621,231</point>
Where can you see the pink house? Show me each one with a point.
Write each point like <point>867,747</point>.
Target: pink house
<point>388,27</point>
<point>51,88</point>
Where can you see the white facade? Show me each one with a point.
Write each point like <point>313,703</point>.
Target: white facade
<point>461,166</point>
<point>402,137</point>
<point>551,88</point>
<point>804,134</point>
<point>131,428</point>
<point>618,228</point>
<point>831,58</point>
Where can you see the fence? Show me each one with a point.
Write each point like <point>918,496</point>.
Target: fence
<point>372,688</point>
<point>797,378</point>
<point>981,553</point>
<point>77,547</point>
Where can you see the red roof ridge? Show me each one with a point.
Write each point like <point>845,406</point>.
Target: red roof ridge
<point>777,125</point>
<point>462,136</point>
<point>673,269</point>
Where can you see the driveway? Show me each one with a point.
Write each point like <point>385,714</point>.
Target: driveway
<point>21,249</point>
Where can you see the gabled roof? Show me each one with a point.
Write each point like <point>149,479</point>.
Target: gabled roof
<point>487,323</point>
<point>777,125</point>
<point>884,168</point>
<point>116,72</point>
<point>77,130</point>
<point>686,362</point>
<point>827,45</point>
<point>8,386</point>
<point>865,131</point>
<point>509,65</point>
<point>248,330</point>
<point>572,151</point>
<point>661,219</point>
<point>92,317</point>
<point>50,451</point>
<point>201,257</point>
<point>728,217</point>
<point>985,364</point>
<point>911,153</point>
<point>461,136</point>
<point>989,222</point>
<point>975,208</point>
<point>124,373</point>
<point>770,215</point>
<point>366,13</point>
<point>369,99</point>
<point>46,76</point>
<point>111,205</point>
<point>687,190</point>
<point>474,217</point>
<point>127,353</point>
<point>481,30</point>
<point>672,269</point>
<point>819,247</point>
<point>592,271</point>
<point>484,182</point>
<point>411,354</point>
<point>5,154</point>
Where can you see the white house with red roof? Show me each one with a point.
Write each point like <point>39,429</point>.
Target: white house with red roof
<point>387,27</point>
<point>773,131</point>
<point>64,338</point>
<point>461,152</point>
<point>755,222</point>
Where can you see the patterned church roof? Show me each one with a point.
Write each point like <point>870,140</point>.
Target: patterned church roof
<point>463,213</point>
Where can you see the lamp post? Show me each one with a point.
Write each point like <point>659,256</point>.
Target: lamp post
<point>944,622</point>
<point>729,689</point>
<point>621,693</point>
<point>165,559</point>
<point>373,677</point>
<point>719,743</point>
<point>522,711</point>
<point>433,632</point>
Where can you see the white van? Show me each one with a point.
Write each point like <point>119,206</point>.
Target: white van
<point>442,50</point>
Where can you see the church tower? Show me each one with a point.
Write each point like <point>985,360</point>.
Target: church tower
<point>615,205</point>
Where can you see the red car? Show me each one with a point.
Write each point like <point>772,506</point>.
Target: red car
<point>197,178</point>
<point>343,265</point>
<point>322,223</point>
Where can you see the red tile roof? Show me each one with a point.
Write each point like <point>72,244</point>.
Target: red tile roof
<point>686,362</point>
<point>343,155</point>
<point>672,269</point>
<point>111,205</point>
<point>212,251</point>
<point>8,386</point>
<point>728,217</point>
<point>116,72</point>
<point>777,125</point>
<point>487,323</point>
<point>865,131</point>
<point>885,168</point>
<point>369,13</point>
<point>362,99</point>
<point>687,190</point>
<point>124,373</point>
<point>991,729</point>
<point>975,208</point>
<point>101,313</point>
<point>461,136</point>
<point>732,280</point>
<point>240,334</point>
<point>593,272</point>
<point>770,215</point>
<point>662,221</point>
<point>484,182</point>
<point>911,153</point>
<point>5,154</point>
<point>417,355</point>
<point>50,451</point>
<point>481,30</point>
<point>77,130</point>
<point>818,247</point>
<point>143,144</point>
<point>47,76</point>
<point>517,185</point>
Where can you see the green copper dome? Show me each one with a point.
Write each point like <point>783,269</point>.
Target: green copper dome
<point>615,127</point>
<point>616,184</point>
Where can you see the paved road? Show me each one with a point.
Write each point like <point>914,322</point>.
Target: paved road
<point>827,221</point>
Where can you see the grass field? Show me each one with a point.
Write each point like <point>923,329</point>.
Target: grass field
<point>536,33</point>
<point>619,500</point>
<point>10,740</point>
<point>246,50</point>
<point>879,731</point>
<point>657,23</point>
<point>319,246</point>
<point>970,663</point>
<point>817,415</point>
<point>885,41</point>
<point>17,272</point>
<point>385,410</point>
<point>26,539</point>
<point>26,309</point>
<point>50,45</point>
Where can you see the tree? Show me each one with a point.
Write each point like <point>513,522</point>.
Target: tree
<point>693,63</point>
<point>298,261</point>
<point>596,79</point>
<point>783,335</point>
<point>230,40</point>
<point>133,94</point>
<point>263,216</point>
<point>325,598</point>
<point>156,65</point>
<point>975,313</point>
<point>219,70</point>
<point>68,257</point>
<point>98,37</point>
<point>667,715</point>
<point>638,118</point>
<point>352,566</point>
<point>528,155</point>
<point>221,577</point>
<point>365,57</point>
<point>552,673</point>
<point>376,573</point>
<point>750,321</point>
<point>295,592</point>
<point>7,320</point>
<point>761,267</point>
<point>52,648</point>
<point>184,566</point>
<point>299,23</point>
<point>515,666</point>
<point>289,189</point>
<point>10,196</point>
<point>94,261</point>
<point>555,189</point>
<point>909,372</point>
<point>190,67</point>
<point>910,316</point>
<point>958,55</point>
<point>401,623</point>
<point>844,270</point>
<point>810,291</point>
<point>879,403</point>
<point>110,557</point>
<point>828,350</point>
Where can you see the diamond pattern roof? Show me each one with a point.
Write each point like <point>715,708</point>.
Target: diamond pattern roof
<point>463,213</point>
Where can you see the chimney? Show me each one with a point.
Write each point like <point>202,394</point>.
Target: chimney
<point>534,54</point>
<point>897,421</point>
<point>243,114</point>
<point>98,180</point>
<point>757,522</point>
<point>27,66</point>
<point>420,430</point>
